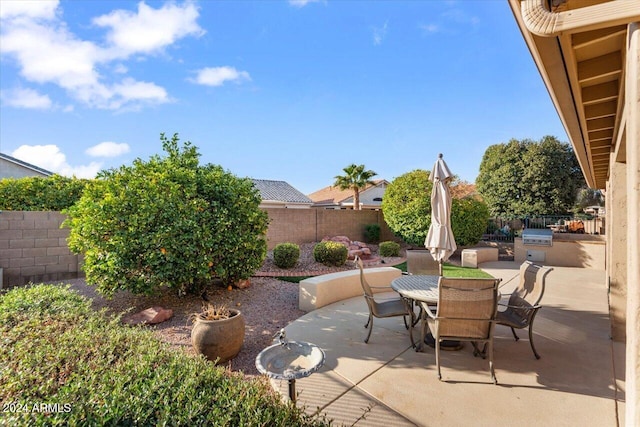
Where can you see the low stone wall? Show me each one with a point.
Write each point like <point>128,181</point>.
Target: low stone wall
<point>33,248</point>
<point>568,250</point>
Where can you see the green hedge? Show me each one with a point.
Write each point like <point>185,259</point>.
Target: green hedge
<point>53,193</point>
<point>89,369</point>
<point>330,253</point>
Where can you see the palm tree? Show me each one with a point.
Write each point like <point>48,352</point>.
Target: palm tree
<point>355,178</point>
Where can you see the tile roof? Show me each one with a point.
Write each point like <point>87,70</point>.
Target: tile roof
<point>330,195</point>
<point>280,191</point>
<point>335,195</point>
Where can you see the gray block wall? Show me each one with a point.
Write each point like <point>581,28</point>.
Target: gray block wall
<point>33,248</point>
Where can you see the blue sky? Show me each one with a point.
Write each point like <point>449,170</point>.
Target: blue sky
<point>283,90</point>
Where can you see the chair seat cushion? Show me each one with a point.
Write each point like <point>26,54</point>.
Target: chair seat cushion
<point>390,308</point>
<point>511,318</point>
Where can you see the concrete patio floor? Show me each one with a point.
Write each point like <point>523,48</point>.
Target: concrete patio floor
<point>579,380</point>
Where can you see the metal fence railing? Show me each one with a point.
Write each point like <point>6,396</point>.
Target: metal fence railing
<point>505,230</point>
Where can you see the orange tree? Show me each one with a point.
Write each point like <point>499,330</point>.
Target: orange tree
<point>406,206</point>
<point>170,222</point>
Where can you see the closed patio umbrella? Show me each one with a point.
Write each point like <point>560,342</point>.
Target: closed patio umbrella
<point>440,240</point>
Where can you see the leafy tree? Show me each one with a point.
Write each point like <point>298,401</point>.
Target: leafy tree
<point>355,178</point>
<point>168,222</point>
<point>588,197</point>
<point>407,211</point>
<point>528,178</point>
<point>53,193</point>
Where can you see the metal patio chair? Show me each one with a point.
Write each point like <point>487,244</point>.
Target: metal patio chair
<point>380,308</point>
<point>466,312</point>
<point>421,262</point>
<point>524,302</point>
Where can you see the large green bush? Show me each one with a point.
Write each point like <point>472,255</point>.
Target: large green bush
<point>372,233</point>
<point>407,210</point>
<point>286,255</point>
<point>168,222</point>
<point>406,206</point>
<point>53,193</point>
<point>330,253</point>
<point>469,219</point>
<point>90,370</point>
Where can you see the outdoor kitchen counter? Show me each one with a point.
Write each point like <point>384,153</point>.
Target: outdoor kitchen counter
<point>566,250</point>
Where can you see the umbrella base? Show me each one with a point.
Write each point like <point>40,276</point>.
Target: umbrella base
<point>444,345</point>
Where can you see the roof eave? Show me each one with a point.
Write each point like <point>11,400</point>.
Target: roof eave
<point>548,58</point>
<point>569,49</point>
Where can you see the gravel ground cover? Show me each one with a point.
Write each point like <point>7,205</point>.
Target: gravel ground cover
<point>268,305</point>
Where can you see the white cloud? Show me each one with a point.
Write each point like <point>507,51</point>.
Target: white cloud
<point>460,17</point>
<point>451,21</point>
<point>130,92</point>
<point>83,171</point>
<point>303,3</point>
<point>26,98</point>
<point>217,76</point>
<point>50,157</point>
<point>46,52</point>
<point>120,69</point>
<point>34,9</point>
<point>108,149</point>
<point>149,30</point>
<point>429,28</point>
<point>379,33</point>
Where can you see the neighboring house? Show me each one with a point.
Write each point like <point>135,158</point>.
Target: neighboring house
<point>335,198</point>
<point>588,54</point>
<point>279,194</point>
<point>10,167</point>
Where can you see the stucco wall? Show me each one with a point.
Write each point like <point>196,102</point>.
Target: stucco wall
<point>13,170</point>
<point>568,250</point>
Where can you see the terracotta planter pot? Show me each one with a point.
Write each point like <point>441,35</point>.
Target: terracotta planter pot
<point>219,340</point>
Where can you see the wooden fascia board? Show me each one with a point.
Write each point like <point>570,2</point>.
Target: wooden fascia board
<point>549,59</point>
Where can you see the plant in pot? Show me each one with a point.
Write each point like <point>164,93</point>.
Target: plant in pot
<point>218,332</point>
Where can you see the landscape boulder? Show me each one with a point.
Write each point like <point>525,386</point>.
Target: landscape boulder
<point>150,316</point>
<point>354,247</point>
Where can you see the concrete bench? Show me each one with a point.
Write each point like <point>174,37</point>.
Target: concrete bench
<point>473,256</point>
<point>316,292</point>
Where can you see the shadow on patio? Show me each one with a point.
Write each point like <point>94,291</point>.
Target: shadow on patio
<point>578,381</point>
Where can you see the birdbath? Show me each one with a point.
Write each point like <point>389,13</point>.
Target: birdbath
<point>290,360</point>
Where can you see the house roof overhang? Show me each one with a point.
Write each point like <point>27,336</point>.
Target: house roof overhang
<point>579,47</point>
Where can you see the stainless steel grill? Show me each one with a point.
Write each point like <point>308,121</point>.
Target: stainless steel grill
<point>538,237</point>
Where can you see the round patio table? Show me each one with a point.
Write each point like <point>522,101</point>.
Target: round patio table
<point>421,288</point>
